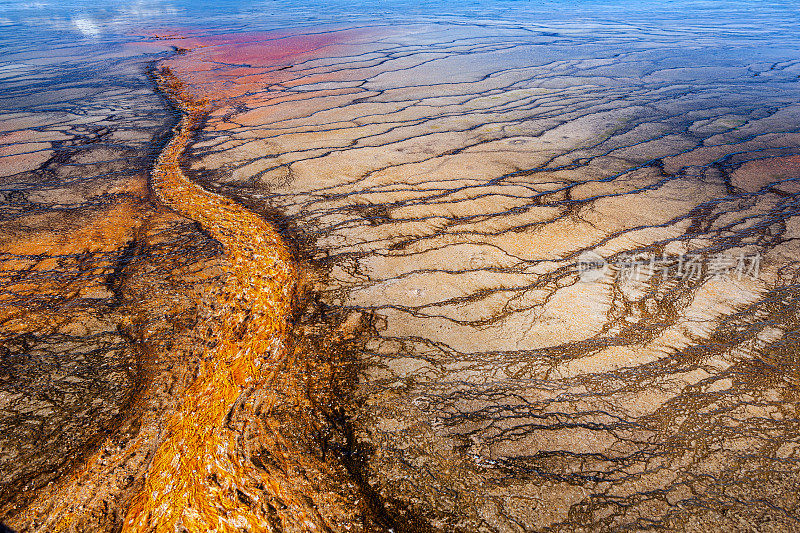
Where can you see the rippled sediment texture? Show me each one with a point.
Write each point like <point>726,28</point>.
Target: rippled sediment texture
<point>102,291</point>
<point>448,178</point>
<point>74,157</point>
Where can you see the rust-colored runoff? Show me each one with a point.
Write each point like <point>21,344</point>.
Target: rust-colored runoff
<point>198,446</point>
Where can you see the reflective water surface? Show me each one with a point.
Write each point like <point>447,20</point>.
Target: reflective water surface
<point>486,266</point>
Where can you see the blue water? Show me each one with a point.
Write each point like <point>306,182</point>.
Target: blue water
<point>89,19</point>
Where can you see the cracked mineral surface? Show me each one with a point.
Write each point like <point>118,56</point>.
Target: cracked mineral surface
<point>543,277</point>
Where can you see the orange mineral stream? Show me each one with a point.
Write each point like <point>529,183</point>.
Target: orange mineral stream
<point>202,477</point>
<point>235,425</point>
<point>198,445</point>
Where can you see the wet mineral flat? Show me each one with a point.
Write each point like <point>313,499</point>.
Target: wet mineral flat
<point>547,264</point>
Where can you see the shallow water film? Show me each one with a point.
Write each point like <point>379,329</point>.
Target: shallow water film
<point>443,267</point>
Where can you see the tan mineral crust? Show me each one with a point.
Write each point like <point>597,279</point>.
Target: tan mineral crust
<point>446,194</point>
